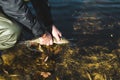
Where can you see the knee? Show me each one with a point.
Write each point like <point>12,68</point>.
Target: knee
<point>9,33</point>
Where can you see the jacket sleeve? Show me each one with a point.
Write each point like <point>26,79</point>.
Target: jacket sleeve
<point>20,12</point>
<point>43,12</point>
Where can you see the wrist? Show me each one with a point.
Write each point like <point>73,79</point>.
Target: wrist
<point>44,35</point>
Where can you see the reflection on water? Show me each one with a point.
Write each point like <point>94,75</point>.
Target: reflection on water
<point>85,16</point>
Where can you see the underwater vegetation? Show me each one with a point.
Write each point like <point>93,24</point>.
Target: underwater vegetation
<point>98,61</point>
<point>94,55</point>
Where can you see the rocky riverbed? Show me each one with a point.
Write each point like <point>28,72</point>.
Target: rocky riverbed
<point>100,60</point>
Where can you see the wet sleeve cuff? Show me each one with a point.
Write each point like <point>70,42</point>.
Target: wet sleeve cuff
<point>38,29</point>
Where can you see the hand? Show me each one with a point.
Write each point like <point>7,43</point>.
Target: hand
<point>46,39</point>
<point>56,33</point>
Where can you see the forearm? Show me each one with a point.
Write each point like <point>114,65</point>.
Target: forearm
<point>20,12</point>
<point>43,11</point>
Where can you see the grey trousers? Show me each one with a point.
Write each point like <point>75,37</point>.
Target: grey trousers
<point>9,32</point>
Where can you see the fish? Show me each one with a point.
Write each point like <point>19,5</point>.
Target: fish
<point>29,43</point>
<point>62,41</point>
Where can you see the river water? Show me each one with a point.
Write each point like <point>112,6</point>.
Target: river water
<point>82,61</point>
<point>75,17</point>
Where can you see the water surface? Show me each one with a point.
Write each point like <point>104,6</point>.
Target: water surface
<point>74,17</point>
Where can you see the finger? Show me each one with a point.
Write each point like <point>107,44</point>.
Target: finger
<point>57,38</point>
<point>51,42</point>
<point>60,34</point>
<point>40,41</point>
<point>47,44</point>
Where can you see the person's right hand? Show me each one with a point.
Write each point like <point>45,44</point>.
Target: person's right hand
<point>46,39</point>
<point>56,33</point>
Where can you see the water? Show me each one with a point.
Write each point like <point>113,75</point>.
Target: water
<point>75,17</point>
<point>99,61</point>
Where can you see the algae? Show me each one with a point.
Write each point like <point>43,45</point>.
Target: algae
<point>63,62</point>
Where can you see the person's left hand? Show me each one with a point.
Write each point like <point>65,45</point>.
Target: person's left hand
<point>56,33</point>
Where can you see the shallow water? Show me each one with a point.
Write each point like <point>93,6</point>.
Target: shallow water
<point>64,62</point>
<point>92,26</point>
